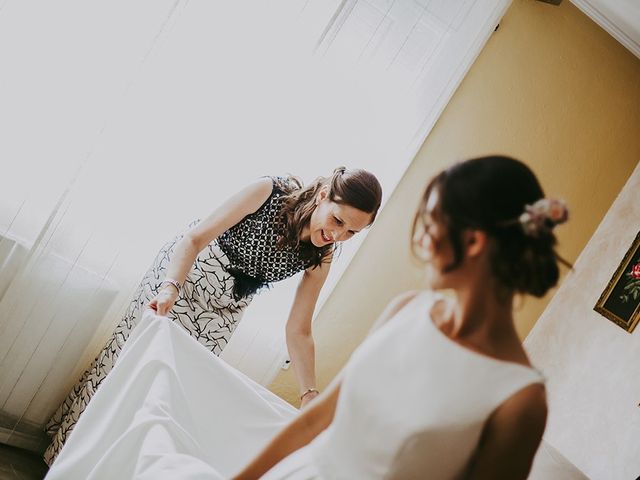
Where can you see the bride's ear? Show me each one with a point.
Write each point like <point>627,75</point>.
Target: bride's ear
<point>475,242</point>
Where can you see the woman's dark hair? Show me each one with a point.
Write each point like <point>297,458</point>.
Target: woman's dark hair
<point>357,188</point>
<point>490,194</point>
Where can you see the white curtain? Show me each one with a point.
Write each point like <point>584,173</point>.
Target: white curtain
<point>122,121</point>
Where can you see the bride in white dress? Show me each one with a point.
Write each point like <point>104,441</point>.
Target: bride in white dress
<point>441,389</point>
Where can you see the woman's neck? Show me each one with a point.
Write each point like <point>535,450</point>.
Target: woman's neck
<point>485,327</point>
<point>480,313</point>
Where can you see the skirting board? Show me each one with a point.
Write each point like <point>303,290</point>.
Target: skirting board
<point>25,435</point>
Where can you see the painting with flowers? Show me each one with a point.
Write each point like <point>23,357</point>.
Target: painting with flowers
<point>620,301</point>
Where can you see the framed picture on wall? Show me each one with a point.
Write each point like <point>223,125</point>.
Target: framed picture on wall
<point>620,301</point>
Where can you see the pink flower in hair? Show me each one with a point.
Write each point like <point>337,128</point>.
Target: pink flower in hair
<point>543,215</point>
<point>558,211</point>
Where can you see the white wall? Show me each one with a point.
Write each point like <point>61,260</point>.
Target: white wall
<point>592,364</point>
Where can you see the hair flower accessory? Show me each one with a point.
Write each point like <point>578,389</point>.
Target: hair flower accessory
<point>543,215</point>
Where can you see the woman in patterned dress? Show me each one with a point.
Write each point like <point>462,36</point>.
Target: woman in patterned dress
<point>205,278</point>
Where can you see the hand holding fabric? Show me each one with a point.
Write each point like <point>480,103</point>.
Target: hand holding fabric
<point>163,302</point>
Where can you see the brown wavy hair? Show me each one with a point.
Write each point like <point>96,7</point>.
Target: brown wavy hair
<point>354,187</point>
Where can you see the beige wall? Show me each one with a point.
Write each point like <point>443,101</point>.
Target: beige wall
<point>551,88</point>
<point>591,364</point>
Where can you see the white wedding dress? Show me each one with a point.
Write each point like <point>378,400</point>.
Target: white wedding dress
<point>412,405</point>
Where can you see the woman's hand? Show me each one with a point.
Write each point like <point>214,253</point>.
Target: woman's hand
<point>308,397</point>
<point>163,302</point>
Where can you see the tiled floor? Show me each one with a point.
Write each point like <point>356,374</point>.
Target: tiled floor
<point>18,464</point>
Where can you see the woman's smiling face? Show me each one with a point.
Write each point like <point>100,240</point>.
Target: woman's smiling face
<point>333,222</point>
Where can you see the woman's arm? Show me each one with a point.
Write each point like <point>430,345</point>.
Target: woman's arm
<point>298,330</point>
<point>234,209</point>
<point>299,339</point>
<point>511,436</point>
<point>302,430</point>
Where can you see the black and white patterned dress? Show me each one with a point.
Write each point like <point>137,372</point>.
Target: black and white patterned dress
<point>216,291</point>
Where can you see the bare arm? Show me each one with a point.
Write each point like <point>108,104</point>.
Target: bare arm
<point>511,437</point>
<point>299,340</point>
<point>298,330</point>
<point>296,435</point>
<point>234,209</point>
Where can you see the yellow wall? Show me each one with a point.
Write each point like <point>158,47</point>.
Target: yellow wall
<point>551,88</point>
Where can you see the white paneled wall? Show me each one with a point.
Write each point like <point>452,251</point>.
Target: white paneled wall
<point>65,66</point>
<point>411,55</point>
<point>70,299</point>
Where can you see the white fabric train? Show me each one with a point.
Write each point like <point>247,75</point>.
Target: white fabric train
<point>170,409</point>
<point>412,405</point>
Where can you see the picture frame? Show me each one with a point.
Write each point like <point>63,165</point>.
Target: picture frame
<point>620,300</point>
